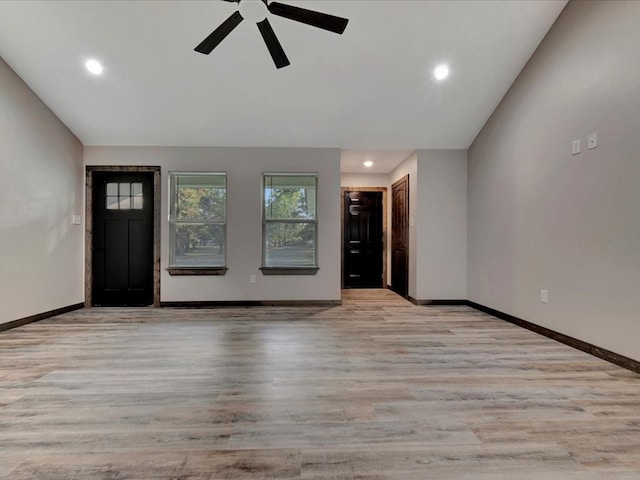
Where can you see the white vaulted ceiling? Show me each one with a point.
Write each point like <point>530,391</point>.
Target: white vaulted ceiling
<point>370,88</point>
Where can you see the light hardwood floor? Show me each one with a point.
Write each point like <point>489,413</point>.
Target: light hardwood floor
<point>375,389</point>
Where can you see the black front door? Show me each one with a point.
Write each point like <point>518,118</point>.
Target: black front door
<point>362,239</point>
<point>122,242</point>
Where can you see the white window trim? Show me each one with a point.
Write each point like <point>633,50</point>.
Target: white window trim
<point>281,269</point>
<point>174,269</point>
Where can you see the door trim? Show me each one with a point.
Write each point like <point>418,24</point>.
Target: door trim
<point>88,238</point>
<point>384,229</point>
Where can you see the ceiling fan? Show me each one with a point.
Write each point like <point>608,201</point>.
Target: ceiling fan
<point>257,10</point>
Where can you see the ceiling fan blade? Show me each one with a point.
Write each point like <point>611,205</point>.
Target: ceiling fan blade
<point>310,17</point>
<point>219,34</point>
<point>275,49</point>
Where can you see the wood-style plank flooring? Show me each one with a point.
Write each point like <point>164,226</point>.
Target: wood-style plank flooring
<point>375,389</point>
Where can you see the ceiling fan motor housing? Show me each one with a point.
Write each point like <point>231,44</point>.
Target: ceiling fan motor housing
<point>253,10</point>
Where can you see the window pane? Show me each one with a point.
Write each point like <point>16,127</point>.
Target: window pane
<point>198,245</point>
<point>112,203</point>
<point>125,189</point>
<point>289,197</point>
<point>125,203</point>
<point>136,196</point>
<point>201,203</point>
<point>290,244</point>
<point>112,189</point>
<point>200,197</point>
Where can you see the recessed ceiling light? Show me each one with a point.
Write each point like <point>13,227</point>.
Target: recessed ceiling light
<point>368,164</point>
<point>93,66</point>
<point>441,72</point>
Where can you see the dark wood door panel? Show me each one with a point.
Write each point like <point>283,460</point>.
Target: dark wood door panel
<point>400,236</point>
<point>122,240</point>
<point>363,242</point>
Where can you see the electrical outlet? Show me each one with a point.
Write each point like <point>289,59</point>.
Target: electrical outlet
<point>544,296</point>
<point>252,279</point>
<point>592,140</point>
<point>76,220</point>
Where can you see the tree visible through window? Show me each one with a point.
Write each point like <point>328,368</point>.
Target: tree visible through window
<point>197,220</point>
<point>289,220</point>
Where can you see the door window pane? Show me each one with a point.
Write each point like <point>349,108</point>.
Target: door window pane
<point>112,203</point>
<point>136,196</point>
<point>137,202</point>
<point>124,196</point>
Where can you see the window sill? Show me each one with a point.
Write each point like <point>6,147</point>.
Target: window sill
<point>197,270</point>
<point>289,270</point>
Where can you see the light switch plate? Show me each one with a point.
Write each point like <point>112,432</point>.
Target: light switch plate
<point>592,140</point>
<point>544,296</point>
<point>575,147</point>
<point>76,220</point>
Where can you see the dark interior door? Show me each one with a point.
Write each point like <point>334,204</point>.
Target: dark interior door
<point>122,242</point>
<point>363,239</point>
<point>400,237</point>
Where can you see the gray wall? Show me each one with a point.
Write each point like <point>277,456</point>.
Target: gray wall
<point>41,253</point>
<point>244,167</point>
<point>441,224</point>
<point>541,218</point>
<point>364,180</point>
